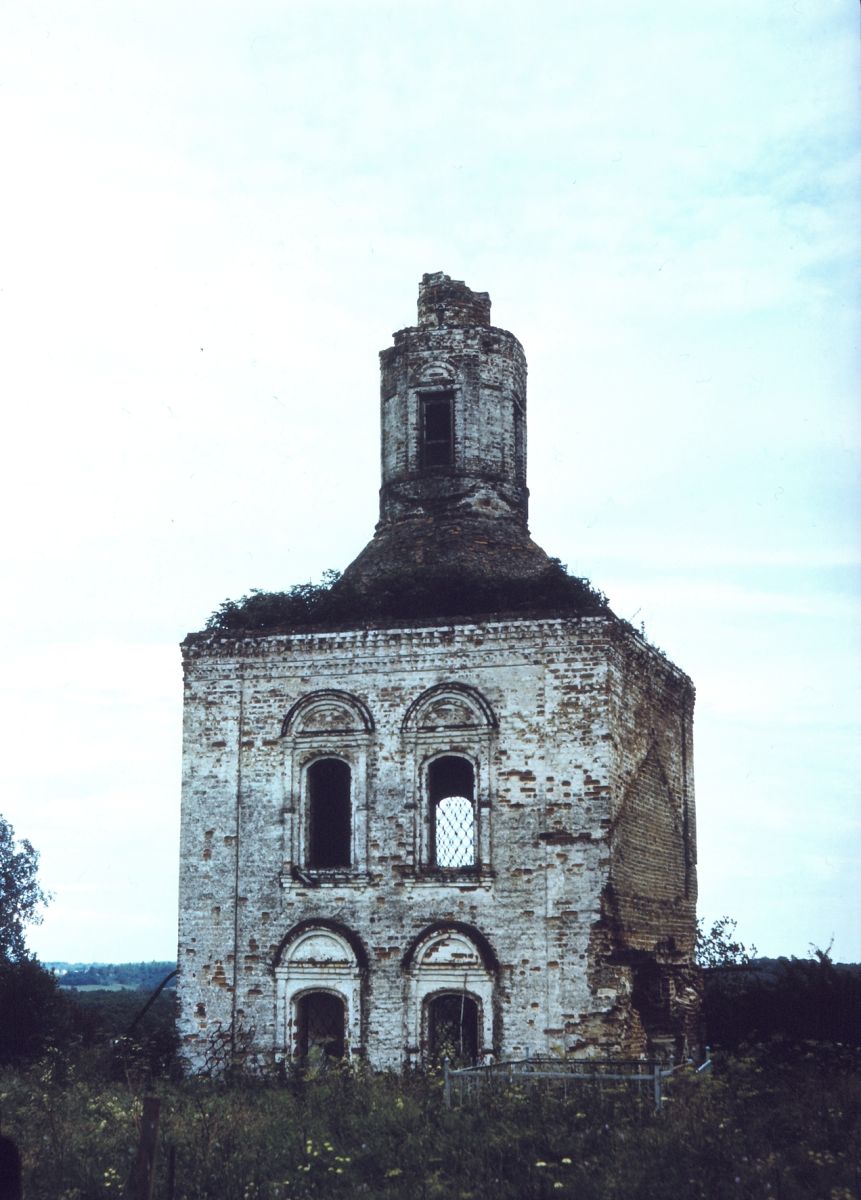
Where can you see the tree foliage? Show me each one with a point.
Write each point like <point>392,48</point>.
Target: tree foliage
<point>791,999</point>
<point>719,946</point>
<point>35,1013</point>
<point>32,1009</point>
<point>20,893</point>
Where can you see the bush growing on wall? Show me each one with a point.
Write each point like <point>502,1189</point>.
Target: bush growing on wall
<point>421,592</point>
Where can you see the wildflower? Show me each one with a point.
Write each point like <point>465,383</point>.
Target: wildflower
<point>557,1184</point>
<point>541,1163</point>
<point>566,1161</point>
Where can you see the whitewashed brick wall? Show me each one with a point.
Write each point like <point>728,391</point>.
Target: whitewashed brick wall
<point>580,734</point>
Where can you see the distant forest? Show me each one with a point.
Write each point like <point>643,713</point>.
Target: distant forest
<point>140,975</point>
<point>795,998</point>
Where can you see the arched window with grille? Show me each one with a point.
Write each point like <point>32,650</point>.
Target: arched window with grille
<point>451,793</point>
<point>449,737</point>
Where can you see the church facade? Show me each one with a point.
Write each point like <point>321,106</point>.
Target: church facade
<point>455,814</point>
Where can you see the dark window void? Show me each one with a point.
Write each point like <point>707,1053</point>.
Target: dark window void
<point>453,1029</point>
<point>451,784</point>
<point>329,813</point>
<point>519,442</point>
<point>437,438</point>
<point>320,1026</point>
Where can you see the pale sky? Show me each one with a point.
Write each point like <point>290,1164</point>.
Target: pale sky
<point>212,218</point>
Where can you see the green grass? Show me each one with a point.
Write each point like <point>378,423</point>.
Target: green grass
<point>771,1123</point>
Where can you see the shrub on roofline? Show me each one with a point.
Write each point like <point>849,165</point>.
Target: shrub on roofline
<point>421,592</point>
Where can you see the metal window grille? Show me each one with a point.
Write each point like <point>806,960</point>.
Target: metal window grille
<point>455,832</point>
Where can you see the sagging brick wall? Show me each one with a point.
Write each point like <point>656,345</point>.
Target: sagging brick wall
<point>649,902</point>
<point>653,785</point>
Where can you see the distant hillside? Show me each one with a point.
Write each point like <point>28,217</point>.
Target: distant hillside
<point>112,976</point>
<point>773,969</point>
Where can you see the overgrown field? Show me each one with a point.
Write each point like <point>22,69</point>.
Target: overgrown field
<point>775,1122</point>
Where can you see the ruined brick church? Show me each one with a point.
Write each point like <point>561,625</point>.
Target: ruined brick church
<point>452,812</point>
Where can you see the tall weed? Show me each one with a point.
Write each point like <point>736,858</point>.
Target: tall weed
<point>774,1122</point>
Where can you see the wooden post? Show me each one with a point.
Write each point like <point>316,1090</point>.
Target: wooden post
<point>446,1087</point>
<point>171,1172</point>
<point>143,1172</point>
<point>10,1170</point>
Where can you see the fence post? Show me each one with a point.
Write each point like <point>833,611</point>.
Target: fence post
<point>143,1172</point>
<point>657,1085</point>
<point>446,1087</point>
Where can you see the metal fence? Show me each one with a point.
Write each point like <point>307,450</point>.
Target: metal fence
<point>645,1076</point>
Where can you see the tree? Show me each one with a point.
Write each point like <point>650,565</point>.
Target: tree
<point>20,893</point>
<point>35,1012</point>
<point>32,1007</point>
<point>719,947</point>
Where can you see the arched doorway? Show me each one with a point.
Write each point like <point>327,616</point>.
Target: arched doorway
<point>321,1025</point>
<point>450,980</point>
<point>318,977</point>
<point>452,1028</point>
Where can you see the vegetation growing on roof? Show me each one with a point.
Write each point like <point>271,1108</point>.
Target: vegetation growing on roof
<point>424,592</point>
<point>302,604</point>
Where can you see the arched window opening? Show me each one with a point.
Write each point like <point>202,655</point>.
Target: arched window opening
<point>437,436</point>
<point>321,1026</point>
<point>329,813</point>
<point>453,1029</point>
<point>451,782</point>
